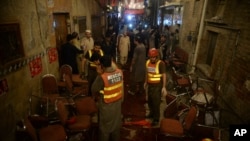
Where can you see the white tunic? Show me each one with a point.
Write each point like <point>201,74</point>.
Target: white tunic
<point>124,45</point>
<point>87,43</point>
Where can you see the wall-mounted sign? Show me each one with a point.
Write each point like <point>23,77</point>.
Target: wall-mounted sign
<point>35,66</point>
<point>52,54</point>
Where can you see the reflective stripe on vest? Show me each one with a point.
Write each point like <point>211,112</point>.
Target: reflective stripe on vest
<point>153,74</point>
<point>92,64</point>
<point>113,84</point>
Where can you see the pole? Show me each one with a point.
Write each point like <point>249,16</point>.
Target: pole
<point>199,36</point>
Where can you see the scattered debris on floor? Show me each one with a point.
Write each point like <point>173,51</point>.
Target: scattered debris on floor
<point>131,133</point>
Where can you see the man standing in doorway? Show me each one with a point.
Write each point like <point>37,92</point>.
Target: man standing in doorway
<point>87,41</point>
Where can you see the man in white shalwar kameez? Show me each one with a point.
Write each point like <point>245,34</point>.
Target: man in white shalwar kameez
<point>124,48</point>
<point>87,43</point>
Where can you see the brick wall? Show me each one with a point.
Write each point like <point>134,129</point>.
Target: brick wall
<point>231,62</point>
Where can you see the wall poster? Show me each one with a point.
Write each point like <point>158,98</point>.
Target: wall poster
<point>35,66</point>
<point>52,54</point>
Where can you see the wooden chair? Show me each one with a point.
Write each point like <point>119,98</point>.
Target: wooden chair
<point>180,59</point>
<point>85,106</point>
<point>176,128</point>
<point>182,83</point>
<point>73,124</point>
<point>74,90</point>
<point>50,91</point>
<point>50,87</point>
<point>171,109</point>
<point>76,79</point>
<point>55,132</point>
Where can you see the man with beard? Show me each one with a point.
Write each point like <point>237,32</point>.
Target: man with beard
<point>90,61</point>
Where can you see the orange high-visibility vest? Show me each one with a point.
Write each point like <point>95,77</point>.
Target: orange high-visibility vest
<point>91,53</point>
<point>153,74</point>
<point>113,84</point>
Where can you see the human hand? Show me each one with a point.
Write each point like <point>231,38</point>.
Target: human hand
<point>145,85</point>
<point>164,92</point>
<point>99,69</point>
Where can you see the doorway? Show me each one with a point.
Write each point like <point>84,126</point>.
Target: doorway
<point>96,27</point>
<point>62,28</point>
<point>212,39</point>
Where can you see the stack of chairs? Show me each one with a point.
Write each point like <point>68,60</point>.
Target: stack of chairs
<point>182,83</point>
<point>70,114</point>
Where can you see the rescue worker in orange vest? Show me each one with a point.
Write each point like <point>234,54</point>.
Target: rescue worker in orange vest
<point>155,84</point>
<point>107,89</point>
<point>91,62</point>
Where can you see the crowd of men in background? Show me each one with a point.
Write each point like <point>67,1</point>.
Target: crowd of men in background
<point>144,49</point>
<point>120,45</point>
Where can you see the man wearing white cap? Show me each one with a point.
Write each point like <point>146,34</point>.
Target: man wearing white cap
<point>87,41</point>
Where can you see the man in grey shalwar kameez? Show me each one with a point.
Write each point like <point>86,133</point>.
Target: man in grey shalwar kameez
<point>137,68</point>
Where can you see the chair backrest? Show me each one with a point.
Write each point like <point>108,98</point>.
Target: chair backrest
<point>65,69</point>
<point>69,83</point>
<point>85,105</point>
<point>62,111</point>
<point>181,54</point>
<point>190,118</point>
<point>30,130</point>
<point>172,106</point>
<point>49,84</point>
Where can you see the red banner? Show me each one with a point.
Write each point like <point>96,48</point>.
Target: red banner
<point>52,54</point>
<point>35,66</point>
